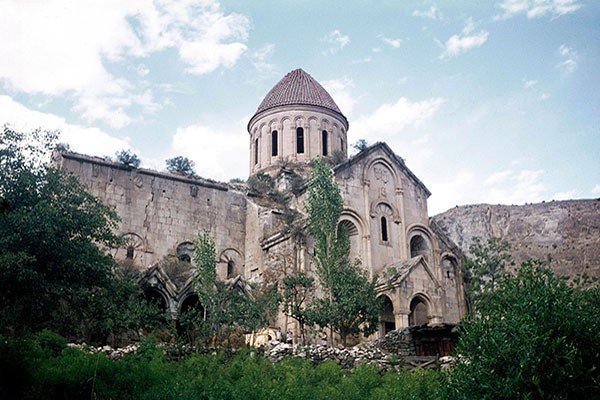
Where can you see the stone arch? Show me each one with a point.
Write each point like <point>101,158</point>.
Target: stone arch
<point>356,228</point>
<point>132,243</point>
<point>420,242</point>
<point>420,309</point>
<point>185,251</point>
<point>155,296</point>
<point>387,319</point>
<point>449,266</point>
<point>232,260</point>
<point>384,163</point>
<point>188,302</point>
<point>379,208</point>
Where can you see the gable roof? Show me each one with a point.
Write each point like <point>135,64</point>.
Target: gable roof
<point>399,271</point>
<point>381,146</point>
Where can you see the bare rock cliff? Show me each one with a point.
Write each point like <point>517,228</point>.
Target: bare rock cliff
<point>563,234</point>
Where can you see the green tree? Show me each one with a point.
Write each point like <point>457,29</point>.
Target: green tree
<point>226,308</point>
<point>350,304</point>
<point>488,261</point>
<point>52,231</point>
<point>181,166</point>
<point>128,158</point>
<point>297,293</point>
<point>533,337</point>
<point>361,145</point>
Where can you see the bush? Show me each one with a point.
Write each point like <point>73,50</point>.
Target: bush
<point>29,371</point>
<point>532,337</point>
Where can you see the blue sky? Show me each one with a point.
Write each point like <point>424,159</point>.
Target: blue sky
<point>488,102</point>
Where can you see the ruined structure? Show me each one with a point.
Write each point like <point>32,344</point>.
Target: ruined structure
<point>385,212</point>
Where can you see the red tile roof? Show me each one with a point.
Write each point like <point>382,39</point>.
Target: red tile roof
<point>298,87</point>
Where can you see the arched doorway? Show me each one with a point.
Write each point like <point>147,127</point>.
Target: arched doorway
<point>418,312</point>
<point>156,298</point>
<point>190,314</point>
<point>387,318</point>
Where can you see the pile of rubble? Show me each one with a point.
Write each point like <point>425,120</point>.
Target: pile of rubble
<point>347,358</point>
<point>394,351</point>
<point>112,353</point>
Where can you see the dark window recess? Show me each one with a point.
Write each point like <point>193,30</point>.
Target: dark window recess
<point>230,266</point>
<point>324,135</point>
<point>300,140</point>
<point>185,258</point>
<point>130,251</point>
<point>194,191</point>
<point>274,143</point>
<point>256,151</point>
<point>384,229</point>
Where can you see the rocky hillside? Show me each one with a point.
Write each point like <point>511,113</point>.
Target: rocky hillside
<point>563,234</point>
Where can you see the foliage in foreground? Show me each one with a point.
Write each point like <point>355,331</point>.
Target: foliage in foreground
<point>54,273</point>
<point>42,368</point>
<point>533,337</point>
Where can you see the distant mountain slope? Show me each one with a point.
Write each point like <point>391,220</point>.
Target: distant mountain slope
<point>564,234</point>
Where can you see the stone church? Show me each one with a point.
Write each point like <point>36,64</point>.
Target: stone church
<point>385,212</point>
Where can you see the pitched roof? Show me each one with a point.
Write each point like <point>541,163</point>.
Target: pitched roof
<point>298,88</point>
<point>393,156</point>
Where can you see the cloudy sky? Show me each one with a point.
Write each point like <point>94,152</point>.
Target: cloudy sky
<point>488,102</point>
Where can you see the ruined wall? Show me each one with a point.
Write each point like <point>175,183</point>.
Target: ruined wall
<point>160,211</point>
<point>563,234</point>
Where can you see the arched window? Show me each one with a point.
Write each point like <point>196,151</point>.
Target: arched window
<point>324,136</point>
<point>388,321</point>
<point>274,143</point>
<point>300,140</point>
<point>256,151</point>
<point>384,229</point>
<point>418,312</point>
<point>419,247</point>
<point>185,251</point>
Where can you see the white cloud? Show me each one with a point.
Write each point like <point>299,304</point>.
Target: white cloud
<point>390,119</point>
<point>568,195</point>
<point>514,187</point>
<point>395,43</point>
<point>340,91</point>
<point>65,48</point>
<point>260,58</point>
<point>502,187</point>
<point>568,58</point>
<point>530,83</point>
<point>337,40</point>
<point>215,152</point>
<point>596,189</point>
<point>433,13</point>
<point>388,122</point>
<point>537,8</point>
<point>81,139</point>
<point>465,41</point>
<point>452,192</point>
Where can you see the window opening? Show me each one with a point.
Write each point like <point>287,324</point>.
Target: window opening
<point>299,140</point>
<point>324,135</point>
<point>384,229</point>
<point>230,265</point>
<point>274,143</point>
<point>256,151</point>
<point>130,251</point>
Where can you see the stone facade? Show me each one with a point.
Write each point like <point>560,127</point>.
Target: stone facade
<point>385,212</point>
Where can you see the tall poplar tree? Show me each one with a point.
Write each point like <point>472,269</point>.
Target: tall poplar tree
<point>350,304</point>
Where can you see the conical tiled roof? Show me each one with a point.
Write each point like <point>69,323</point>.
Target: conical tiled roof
<point>298,87</point>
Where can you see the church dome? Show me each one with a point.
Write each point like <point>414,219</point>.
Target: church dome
<point>296,122</point>
<point>298,88</point>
